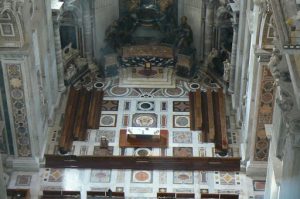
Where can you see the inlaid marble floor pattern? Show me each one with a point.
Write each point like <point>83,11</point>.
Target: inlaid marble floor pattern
<point>127,107</point>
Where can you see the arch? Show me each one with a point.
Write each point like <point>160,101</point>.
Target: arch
<point>267,32</point>
<point>11,31</point>
<point>76,11</point>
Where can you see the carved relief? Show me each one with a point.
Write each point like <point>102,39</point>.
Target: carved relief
<point>11,32</point>
<point>18,107</point>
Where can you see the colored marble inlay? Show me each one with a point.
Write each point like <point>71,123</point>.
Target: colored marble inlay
<point>144,120</point>
<point>181,121</point>
<point>126,106</point>
<point>182,137</point>
<point>181,106</point>
<point>182,151</point>
<point>163,121</point>
<point>265,115</point>
<point>145,106</point>
<point>110,105</point>
<point>23,180</point>
<point>141,176</point>
<point>56,175</point>
<point>125,120</point>
<point>100,176</point>
<point>108,120</point>
<point>163,106</point>
<point>183,177</point>
<point>259,185</point>
<point>18,107</point>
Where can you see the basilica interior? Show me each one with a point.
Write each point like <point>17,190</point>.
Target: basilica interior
<point>149,99</point>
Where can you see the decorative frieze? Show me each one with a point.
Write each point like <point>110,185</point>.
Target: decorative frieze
<point>265,115</point>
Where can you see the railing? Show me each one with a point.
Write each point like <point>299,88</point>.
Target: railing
<point>294,39</point>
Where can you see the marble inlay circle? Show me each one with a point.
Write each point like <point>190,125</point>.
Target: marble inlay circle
<point>261,144</point>
<point>119,91</point>
<point>98,85</point>
<point>145,106</point>
<point>142,176</point>
<point>18,105</point>
<point>23,140</point>
<point>174,92</point>
<point>107,120</point>
<point>194,86</point>
<point>183,177</point>
<point>17,93</point>
<point>142,152</point>
<point>182,121</point>
<point>267,98</point>
<point>21,129</point>
<point>268,86</point>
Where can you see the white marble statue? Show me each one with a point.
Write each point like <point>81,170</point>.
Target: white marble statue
<point>227,67</point>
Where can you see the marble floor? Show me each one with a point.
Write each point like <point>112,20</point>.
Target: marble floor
<point>131,107</point>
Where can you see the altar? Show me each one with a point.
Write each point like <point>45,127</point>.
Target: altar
<point>143,137</point>
<point>143,133</point>
<point>139,77</point>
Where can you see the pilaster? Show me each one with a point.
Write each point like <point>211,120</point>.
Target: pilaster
<point>20,111</point>
<point>209,27</point>
<point>233,54</point>
<point>2,182</point>
<point>87,30</point>
<point>59,58</point>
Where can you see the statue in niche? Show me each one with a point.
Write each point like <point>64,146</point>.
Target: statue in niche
<point>120,31</point>
<point>213,54</point>
<point>111,35</point>
<point>227,67</point>
<point>274,61</point>
<point>184,36</point>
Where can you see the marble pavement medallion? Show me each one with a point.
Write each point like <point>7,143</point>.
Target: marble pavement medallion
<point>181,121</point>
<point>108,120</point>
<point>119,91</point>
<point>183,177</point>
<point>144,120</point>
<point>145,106</point>
<point>174,92</point>
<point>182,137</point>
<point>100,176</point>
<point>182,151</point>
<point>141,176</point>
